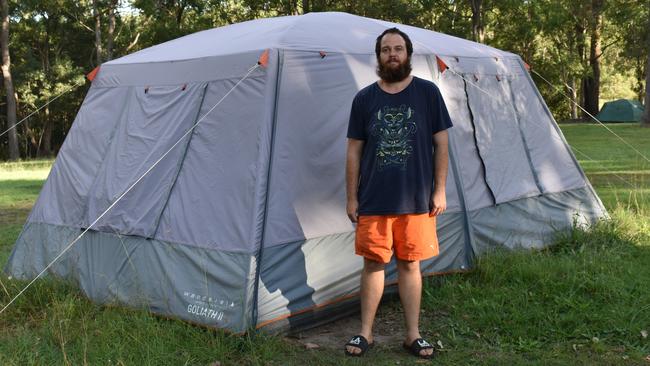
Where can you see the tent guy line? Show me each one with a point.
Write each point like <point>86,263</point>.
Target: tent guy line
<point>253,68</point>
<point>536,125</point>
<point>44,105</point>
<point>592,116</point>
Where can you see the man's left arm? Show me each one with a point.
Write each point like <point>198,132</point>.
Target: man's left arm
<point>441,162</point>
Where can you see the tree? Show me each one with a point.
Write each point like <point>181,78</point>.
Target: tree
<point>9,84</point>
<point>645,119</point>
<point>478,30</point>
<point>591,83</point>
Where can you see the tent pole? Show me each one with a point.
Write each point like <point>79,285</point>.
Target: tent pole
<point>467,224</point>
<point>260,251</point>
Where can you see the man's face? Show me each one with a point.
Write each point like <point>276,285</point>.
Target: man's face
<point>394,62</point>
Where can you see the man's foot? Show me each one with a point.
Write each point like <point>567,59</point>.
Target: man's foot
<point>420,348</point>
<point>358,346</point>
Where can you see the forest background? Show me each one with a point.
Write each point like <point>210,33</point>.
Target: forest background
<point>592,51</point>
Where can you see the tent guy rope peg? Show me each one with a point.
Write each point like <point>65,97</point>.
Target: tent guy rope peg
<point>118,199</point>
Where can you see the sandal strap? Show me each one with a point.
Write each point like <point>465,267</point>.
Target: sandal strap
<point>358,341</point>
<point>421,344</point>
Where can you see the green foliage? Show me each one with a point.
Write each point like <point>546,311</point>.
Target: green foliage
<point>52,43</point>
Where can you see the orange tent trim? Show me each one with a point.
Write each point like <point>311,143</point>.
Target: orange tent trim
<point>91,75</point>
<point>346,297</point>
<point>264,59</point>
<point>442,66</point>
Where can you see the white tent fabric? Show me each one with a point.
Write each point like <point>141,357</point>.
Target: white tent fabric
<point>243,224</point>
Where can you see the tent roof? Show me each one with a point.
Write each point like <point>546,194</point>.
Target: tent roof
<point>330,32</point>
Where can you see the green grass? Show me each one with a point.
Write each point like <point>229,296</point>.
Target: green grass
<point>620,175</point>
<point>584,300</point>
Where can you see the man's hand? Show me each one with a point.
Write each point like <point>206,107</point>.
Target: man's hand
<point>438,203</point>
<point>353,210</point>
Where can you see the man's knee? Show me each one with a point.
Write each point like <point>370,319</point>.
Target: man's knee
<point>408,266</point>
<point>372,266</point>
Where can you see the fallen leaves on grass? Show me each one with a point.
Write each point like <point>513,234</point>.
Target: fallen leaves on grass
<point>311,345</point>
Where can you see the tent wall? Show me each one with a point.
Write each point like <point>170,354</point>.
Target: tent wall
<point>199,285</point>
<point>178,259</point>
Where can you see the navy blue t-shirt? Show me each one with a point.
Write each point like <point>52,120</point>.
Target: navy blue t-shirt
<point>396,173</point>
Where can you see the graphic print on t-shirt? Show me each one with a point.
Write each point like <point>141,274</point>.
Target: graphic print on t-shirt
<point>393,127</point>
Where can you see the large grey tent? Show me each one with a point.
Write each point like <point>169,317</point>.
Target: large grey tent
<point>243,225</point>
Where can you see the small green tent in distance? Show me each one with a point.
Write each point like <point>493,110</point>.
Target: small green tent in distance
<point>621,110</point>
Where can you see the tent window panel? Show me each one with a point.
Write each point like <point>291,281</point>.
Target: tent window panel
<point>553,163</point>
<point>155,118</point>
<point>475,189</point>
<point>65,193</point>
<point>213,200</point>
<point>307,187</point>
<point>508,172</point>
<point>422,69</point>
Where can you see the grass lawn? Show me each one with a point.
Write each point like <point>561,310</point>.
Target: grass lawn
<point>584,300</point>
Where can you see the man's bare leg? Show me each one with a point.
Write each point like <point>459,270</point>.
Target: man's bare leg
<point>372,287</point>
<point>410,293</point>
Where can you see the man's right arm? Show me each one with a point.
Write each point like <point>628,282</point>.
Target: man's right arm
<point>352,167</point>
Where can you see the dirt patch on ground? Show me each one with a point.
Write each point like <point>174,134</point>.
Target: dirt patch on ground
<point>14,214</point>
<point>388,330</point>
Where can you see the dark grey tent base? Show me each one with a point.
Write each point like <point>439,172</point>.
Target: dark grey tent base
<point>214,288</point>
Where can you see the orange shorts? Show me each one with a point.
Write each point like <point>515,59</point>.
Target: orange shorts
<point>412,237</point>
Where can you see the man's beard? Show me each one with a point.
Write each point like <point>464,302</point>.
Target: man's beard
<point>393,75</point>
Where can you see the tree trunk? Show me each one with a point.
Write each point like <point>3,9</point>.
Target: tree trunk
<point>645,119</point>
<point>45,143</point>
<point>45,147</point>
<point>638,73</point>
<point>592,82</point>
<point>98,33</point>
<point>574,98</point>
<point>179,13</point>
<point>110,37</point>
<point>305,6</point>
<point>478,31</point>
<point>9,84</point>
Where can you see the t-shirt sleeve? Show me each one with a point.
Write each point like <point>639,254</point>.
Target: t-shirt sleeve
<point>356,126</point>
<point>441,119</point>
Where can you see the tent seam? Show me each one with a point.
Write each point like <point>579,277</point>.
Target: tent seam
<point>180,164</point>
<point>538,183</point>
<point>478,150</point>
<point>260,252</point>
<point>459,186</point>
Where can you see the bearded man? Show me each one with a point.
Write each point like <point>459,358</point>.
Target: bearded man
<point>396,172</point>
